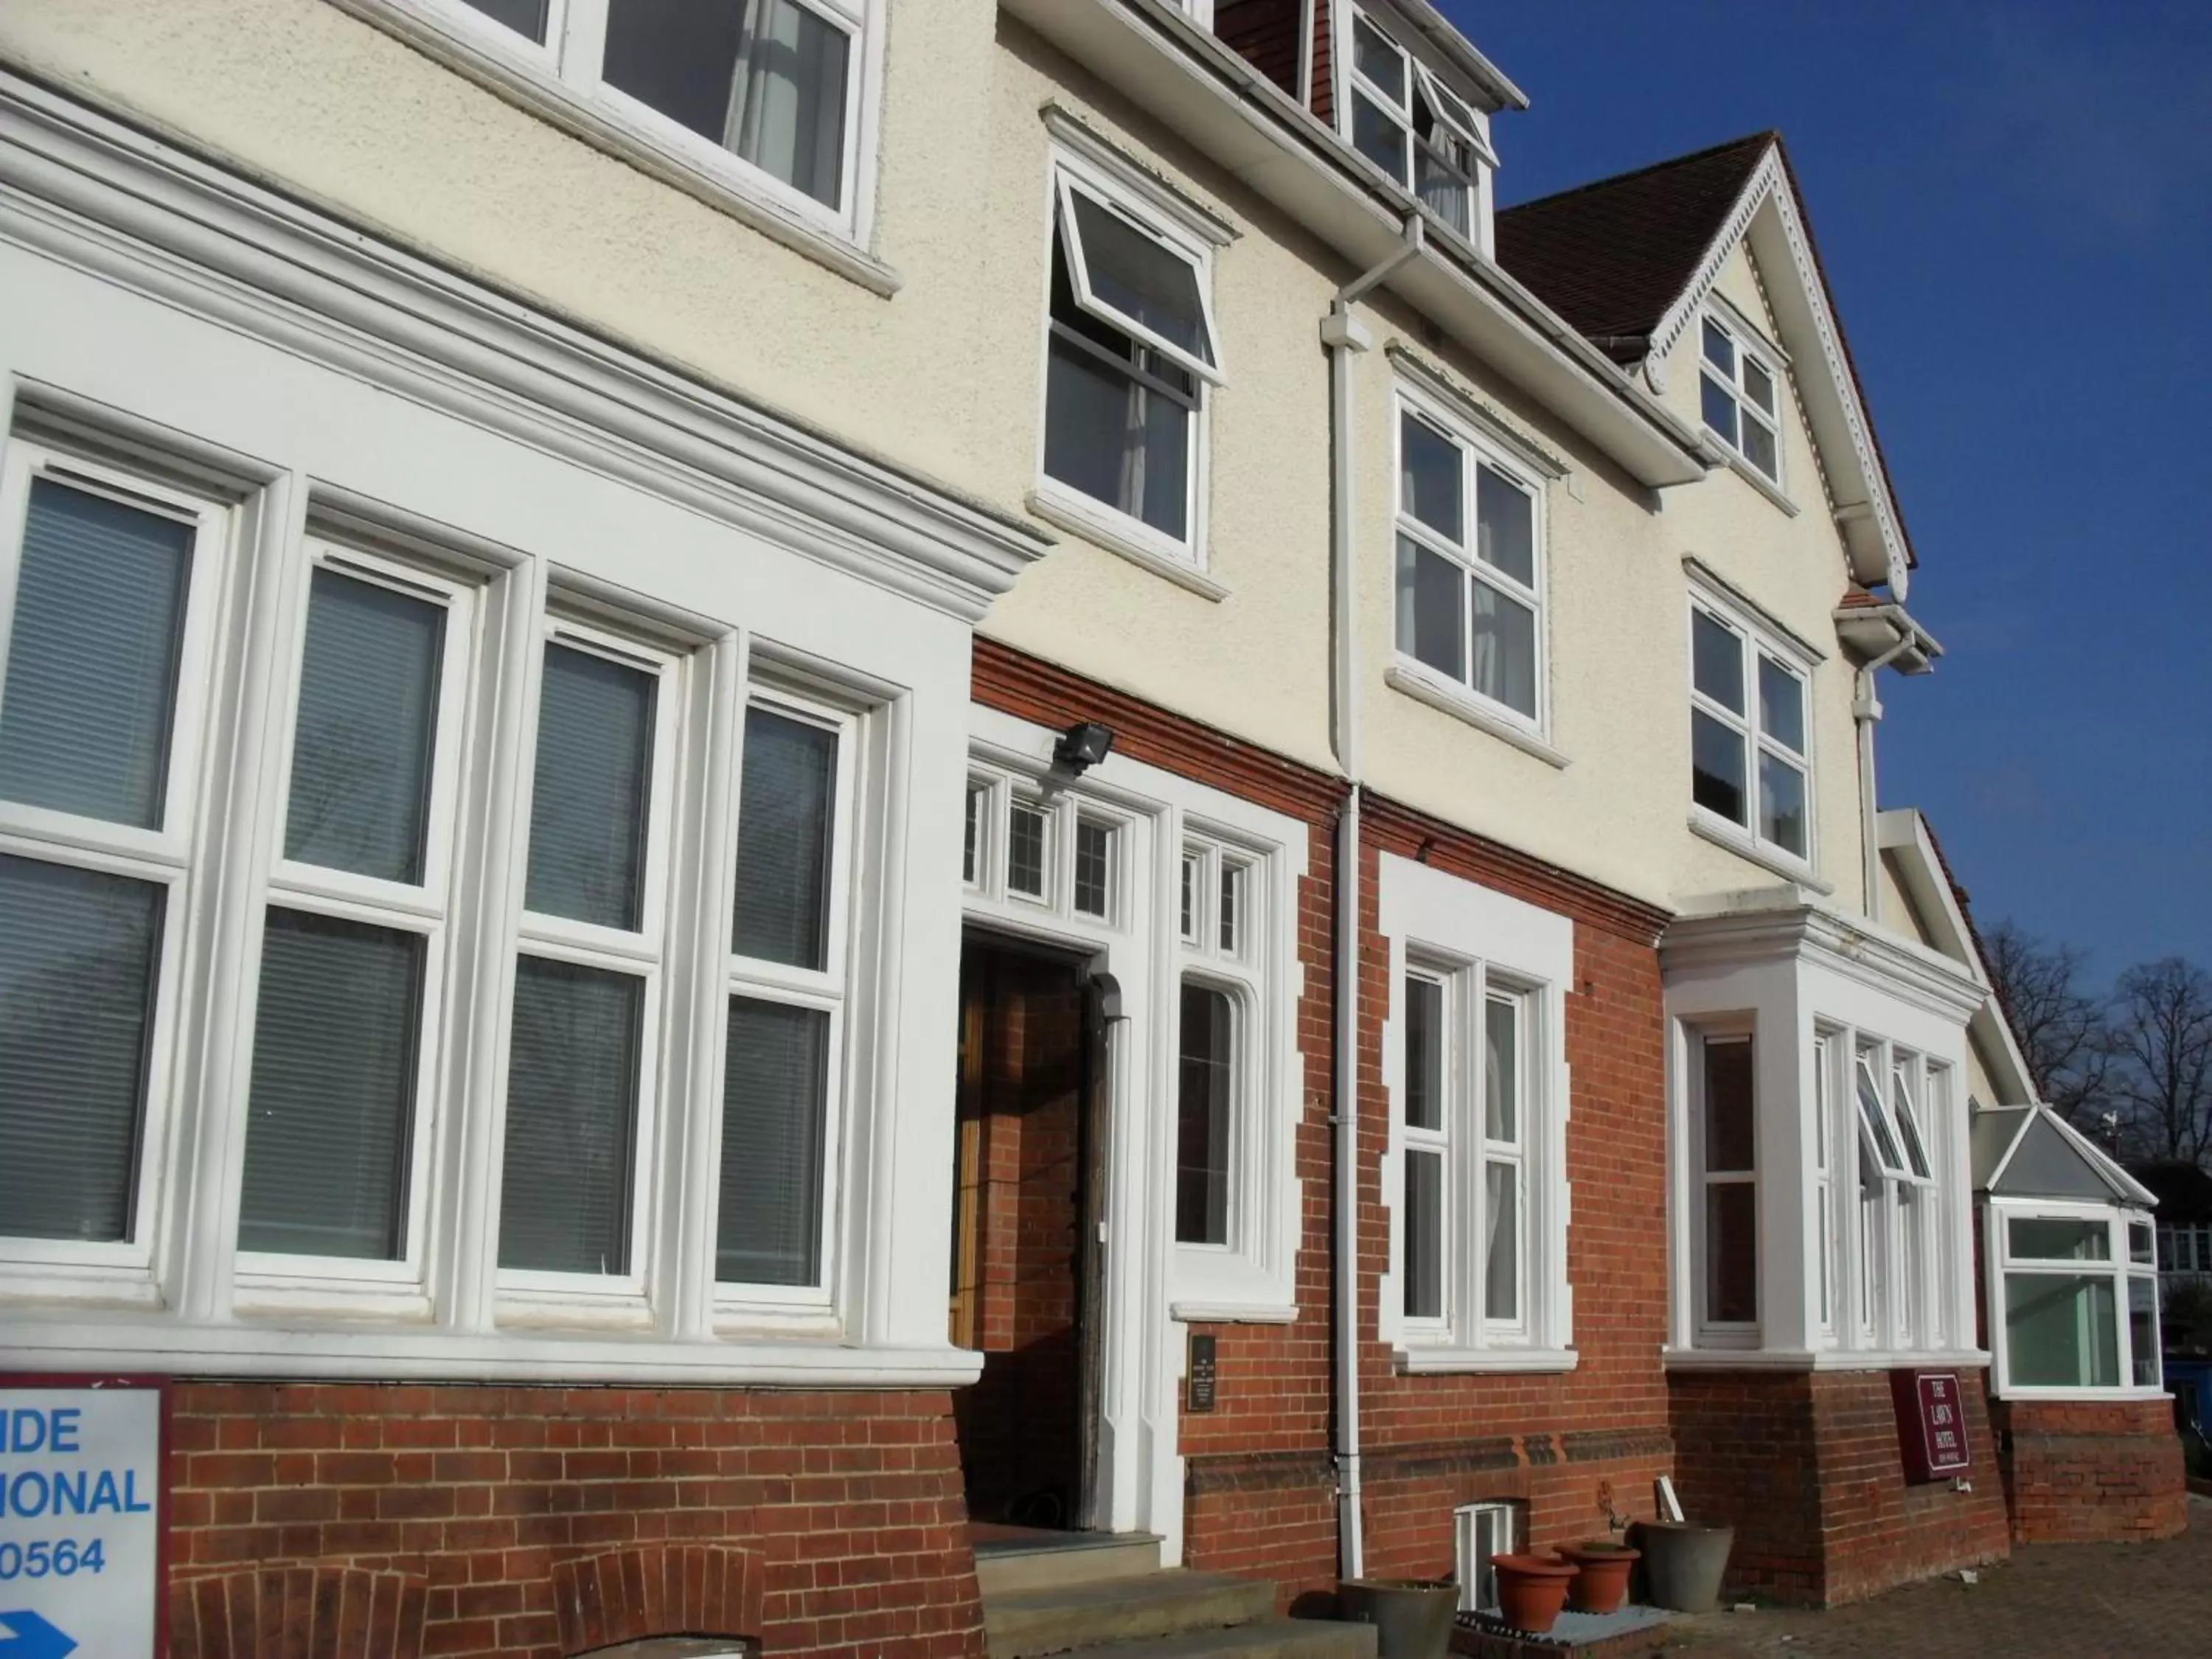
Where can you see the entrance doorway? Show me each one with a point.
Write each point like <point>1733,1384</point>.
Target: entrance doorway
<point>1028,1267</point>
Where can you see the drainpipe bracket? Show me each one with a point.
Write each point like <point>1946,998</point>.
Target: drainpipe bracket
<point>1343,328</point>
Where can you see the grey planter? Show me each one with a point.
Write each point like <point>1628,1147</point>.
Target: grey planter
<point>1683,1563</point>
<point>1412,1617</point>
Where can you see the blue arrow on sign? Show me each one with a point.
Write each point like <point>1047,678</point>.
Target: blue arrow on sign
<point>32,1637</point>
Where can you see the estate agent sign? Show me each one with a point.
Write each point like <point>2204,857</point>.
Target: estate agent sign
<point>81,1511</point>
<point>1931,1424</point>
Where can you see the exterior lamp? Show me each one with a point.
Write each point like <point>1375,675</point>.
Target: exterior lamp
<point>1082,746</point>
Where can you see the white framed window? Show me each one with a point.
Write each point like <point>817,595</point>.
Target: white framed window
<point>1725,1154</point>
<point>1750,774</point>
<point>1424,137</point>
<point>1739,393</point>
<point>1131,348</point>
<point>1221,990</point>
<point>355,929</point>
<point>2073,1299</point>
<point>1470,565</point>
<point>1895,1239</point>
<point>583,1098</point>
<point>1475,1059</point>
<point>788,995</point>
<point>773,98</point>
<point>110,583</point>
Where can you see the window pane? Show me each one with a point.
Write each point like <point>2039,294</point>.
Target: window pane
<point>1908,1123</point>
<point>971,835</point>
<point>2142,1331</point>
<point>1875,1119</point>
<point>92,657</point>
<point>571,1118</point>
<point>764,78</point>
<point>1730,1139</point>
<point>1376,56</point>
<point>1025,851</point>
<point>1716,661</point>
<point>1117,440</point>
<point>1190,903</point>
<point>1732,1253</point>
<point>1758,446</point>
<point>2061,1331</point>
<point>1501,1274</point>
<point>1504,649</point>
<point>1425,1235</point>
<point>589,802</point>
<point>1442,189</point>
<point>526,17</point>
<point>1094,866</point>
<point>1501,1032</point>
<point>1424,1054</point>
<point>1505,525</point>
<point>79,954</point>
<point>362,749</point>
<point>1379,137</point>
<point>1432,609</point>
<point>1782,817</point>
<point>1204,1080</point>
<point>1781,704</point>
<point>1152,286</point>
<point>329,1113</point>
<point>1720,350</point>
<point>1231,932</point>
<point>1719,406</point>
<point>2139,1243</point>
<point>2053,1239</point>
<point>1759,384</point>
<point>1716,780</point>
<point>1430,478</point>
<point>787,828</point>
<point>775,1110</point>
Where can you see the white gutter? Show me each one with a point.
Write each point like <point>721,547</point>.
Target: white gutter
<point>1343,334</point>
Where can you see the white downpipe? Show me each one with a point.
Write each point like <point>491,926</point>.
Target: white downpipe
<point>1343,334</point>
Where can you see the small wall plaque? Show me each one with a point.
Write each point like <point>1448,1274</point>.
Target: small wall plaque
<point>1199,1380</point>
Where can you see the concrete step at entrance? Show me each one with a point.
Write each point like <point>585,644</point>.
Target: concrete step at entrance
<point>1010,1560</point>
<point>1263,1638</point>
<point>1025,1624</point>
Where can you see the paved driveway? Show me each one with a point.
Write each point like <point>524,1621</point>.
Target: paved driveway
<point>2050,1601</point>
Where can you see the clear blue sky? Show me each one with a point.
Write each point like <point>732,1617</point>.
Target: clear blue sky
<point>2013,203</point>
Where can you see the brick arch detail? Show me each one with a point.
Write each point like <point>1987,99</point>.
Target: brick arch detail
<point>656,1590</point>
<point>298,1612</point>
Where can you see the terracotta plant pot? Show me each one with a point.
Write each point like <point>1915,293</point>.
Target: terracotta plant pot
<point>1530,1589</point>
<point>1603,1584</point>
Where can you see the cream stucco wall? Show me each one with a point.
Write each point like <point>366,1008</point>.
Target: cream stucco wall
<point>944,377</point>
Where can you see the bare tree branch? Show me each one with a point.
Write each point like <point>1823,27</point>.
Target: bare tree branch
<point>2063,1031</point>
<point>2161,1078</point>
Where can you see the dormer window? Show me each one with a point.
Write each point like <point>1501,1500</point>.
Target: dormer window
<point>1425,135</point>
<point>1741,397</point>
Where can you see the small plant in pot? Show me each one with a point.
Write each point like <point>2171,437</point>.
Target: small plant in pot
<point>1531,1588</point>
<point>1603,1584</point>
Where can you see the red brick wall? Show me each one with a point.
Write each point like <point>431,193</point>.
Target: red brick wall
<point>2082,1472</point>
<point>1563,1444</point>
<point>1806,1467</point>
<point>1266,34</point>
<point>833,1519</point>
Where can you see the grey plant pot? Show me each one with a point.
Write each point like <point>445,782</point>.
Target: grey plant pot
<point>1683,1563</point>
<point>1412,1617</point>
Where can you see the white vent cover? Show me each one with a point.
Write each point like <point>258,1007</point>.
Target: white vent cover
<point>1479,1532</point>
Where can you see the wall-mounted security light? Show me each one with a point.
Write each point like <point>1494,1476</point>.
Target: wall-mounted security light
<point>1082,746</point>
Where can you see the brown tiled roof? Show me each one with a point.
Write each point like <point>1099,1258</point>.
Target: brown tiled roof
<point>1857,597</point>
<point>1610,256</point>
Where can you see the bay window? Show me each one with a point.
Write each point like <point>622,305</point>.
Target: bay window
<point>1750,755</point>
<point>2074,1299</point>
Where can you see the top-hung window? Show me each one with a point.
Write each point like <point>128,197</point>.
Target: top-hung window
<point>776,86</point>
<point>1423,135</point>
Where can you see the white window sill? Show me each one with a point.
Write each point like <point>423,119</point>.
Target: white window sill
<point>1463,705</point>
<point>1420,1361</point>
<point>1721,833</point>
<point>1115,532</point>
<point>532,85</point>
<point>1234,1312</point>
<point>1823,1359</point>
<point>359,1349</point>
<point>2080,1396</point>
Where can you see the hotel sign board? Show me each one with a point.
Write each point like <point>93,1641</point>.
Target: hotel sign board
<point>1931,1424</point>
<point>82,1500</point>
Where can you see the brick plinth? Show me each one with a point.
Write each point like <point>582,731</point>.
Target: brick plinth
<point>1806,1467</point>
<point>2079,1471</point>
<point>357,1520</point>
